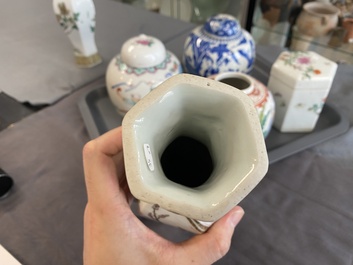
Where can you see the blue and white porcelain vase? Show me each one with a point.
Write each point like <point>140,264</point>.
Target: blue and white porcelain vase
<point>220,45</point>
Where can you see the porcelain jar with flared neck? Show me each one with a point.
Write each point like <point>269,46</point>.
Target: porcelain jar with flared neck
<point>220,45</point>
<point>257,91</point>
<point>142,64</point>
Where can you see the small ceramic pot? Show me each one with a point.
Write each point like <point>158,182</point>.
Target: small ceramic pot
<point>220,45</point>
<point>317,19</point>
<point>77,18</point>
<point>257,91</point>
<point>193,149</point>
<point>142,64</point>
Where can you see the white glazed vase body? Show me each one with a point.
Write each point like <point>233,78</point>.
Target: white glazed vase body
<point>77,18</point>
<point>257,91</point>
<point>132,75</point>
<point>215,115</point>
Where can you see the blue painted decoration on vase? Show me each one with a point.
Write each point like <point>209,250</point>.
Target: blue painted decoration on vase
<point>220,45</point>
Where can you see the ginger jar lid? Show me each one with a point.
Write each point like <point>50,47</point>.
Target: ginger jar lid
<point>222,25</point>
<point>143,51</point>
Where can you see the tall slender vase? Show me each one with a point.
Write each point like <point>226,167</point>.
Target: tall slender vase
<point>77,18</point>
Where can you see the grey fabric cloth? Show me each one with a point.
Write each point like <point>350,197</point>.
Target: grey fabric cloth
<point>300,213</point>
<point>39,65</point>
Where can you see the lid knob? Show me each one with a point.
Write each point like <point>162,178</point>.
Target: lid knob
<point>143,51</point>
<point>222,25</point>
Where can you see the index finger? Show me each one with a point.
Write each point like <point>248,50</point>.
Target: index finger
<point>100,168</point>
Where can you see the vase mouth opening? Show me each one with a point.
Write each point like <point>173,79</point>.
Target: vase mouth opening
<point>193,117</point>
<point>237,80</point>
<point>194,138</point>
<point>192,144</point>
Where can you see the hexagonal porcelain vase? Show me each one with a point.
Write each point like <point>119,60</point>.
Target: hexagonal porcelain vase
<point>193,149</point>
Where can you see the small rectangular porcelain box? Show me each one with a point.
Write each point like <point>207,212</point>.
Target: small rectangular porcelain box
<point>300,83</point>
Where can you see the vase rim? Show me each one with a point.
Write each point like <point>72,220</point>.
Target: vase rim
<point>157,116</point>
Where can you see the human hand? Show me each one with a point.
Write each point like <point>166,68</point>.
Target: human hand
<point>114,235</point>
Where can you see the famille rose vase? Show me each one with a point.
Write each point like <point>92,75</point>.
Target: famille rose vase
<point>142,64</point>
<point>220,45</point>
<point>257,91</point>
<point>193,149</point>
<point>77,18</point>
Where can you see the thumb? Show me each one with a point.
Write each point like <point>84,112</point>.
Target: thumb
<point>211,246</point>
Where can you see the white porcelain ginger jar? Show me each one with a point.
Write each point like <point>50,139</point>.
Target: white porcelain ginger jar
<point>142,64</point>
<point>257,91</point>
<point>193,149</point>
<point>77,18</point>
<point>220,45</point>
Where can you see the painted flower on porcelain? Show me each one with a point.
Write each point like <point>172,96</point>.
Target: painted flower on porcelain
<point>301,61</point>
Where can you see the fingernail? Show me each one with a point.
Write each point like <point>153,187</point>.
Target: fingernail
<point>236,216</point>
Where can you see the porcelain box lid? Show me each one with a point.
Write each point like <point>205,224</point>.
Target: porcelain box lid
<point>304,70</point>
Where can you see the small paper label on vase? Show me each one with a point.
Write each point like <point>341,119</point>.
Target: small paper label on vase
<point>148,156</point>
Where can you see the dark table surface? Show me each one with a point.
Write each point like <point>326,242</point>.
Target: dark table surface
<point>300,213</point>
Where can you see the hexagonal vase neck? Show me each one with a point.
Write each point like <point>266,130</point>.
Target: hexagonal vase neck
<point>193,147</point>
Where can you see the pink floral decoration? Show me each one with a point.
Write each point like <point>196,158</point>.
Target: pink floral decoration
<point>304,60</point>
<point>145,42</point>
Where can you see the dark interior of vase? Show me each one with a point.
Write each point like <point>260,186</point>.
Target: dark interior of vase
<point>187,161</point>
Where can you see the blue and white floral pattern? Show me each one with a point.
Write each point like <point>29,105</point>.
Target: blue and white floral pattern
<point>221,45</point>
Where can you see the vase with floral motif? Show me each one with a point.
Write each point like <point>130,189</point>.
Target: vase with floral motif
<point>142,65</point>
<point>220,45</point>
<point>77,18</point>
